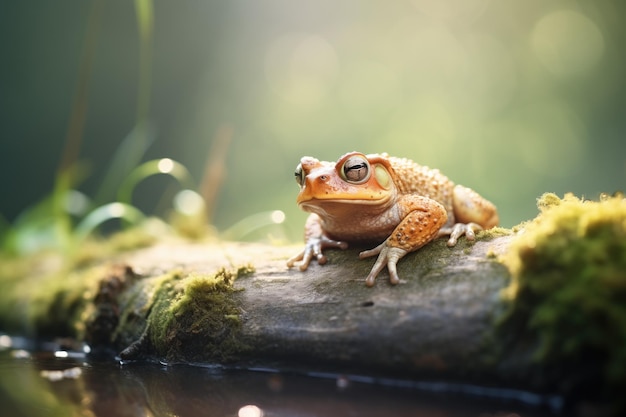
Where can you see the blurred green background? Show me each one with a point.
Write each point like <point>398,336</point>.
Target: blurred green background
<point>511,98</point>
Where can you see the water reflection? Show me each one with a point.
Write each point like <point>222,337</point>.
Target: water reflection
<point>88,388</point>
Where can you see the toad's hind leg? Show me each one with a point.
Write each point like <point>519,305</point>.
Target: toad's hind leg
<point>472,213</point>
<point>471,207</point>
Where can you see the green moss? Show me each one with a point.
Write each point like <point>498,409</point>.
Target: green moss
<point>45,294</point>
<point>48,305</point>
<point>197,317</point>
<point>193,226</point>
<point>92,250</point>
<point>493,233</point>
<point>569,287</point>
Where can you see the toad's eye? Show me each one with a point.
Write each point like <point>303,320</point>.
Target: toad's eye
<point>356,170</point>
<point>299,175</point>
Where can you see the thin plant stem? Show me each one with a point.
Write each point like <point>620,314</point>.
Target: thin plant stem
<point>78,113</point>
<point>145,24</point>
<point>215,169</point>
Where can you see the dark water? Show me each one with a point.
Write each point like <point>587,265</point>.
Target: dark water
<point>46,383</point>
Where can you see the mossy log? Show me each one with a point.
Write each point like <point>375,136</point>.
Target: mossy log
<point>238,303</point>
<point>552,321</point>
<point>440,317</point>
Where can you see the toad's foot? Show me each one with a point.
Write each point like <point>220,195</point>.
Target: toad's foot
<point>313,248</point>
<point>458,230</point>
<point>387,255</point>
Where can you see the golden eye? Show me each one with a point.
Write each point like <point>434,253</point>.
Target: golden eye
<point>299,175</point>
<point>356,170</point>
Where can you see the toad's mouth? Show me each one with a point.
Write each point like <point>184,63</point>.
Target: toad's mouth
<point>341,201</point>
<point>368,199</point>
<point>341,206</point>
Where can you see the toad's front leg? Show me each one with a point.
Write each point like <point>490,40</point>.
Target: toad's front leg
<point>422,220</point>
<point>315,243</point>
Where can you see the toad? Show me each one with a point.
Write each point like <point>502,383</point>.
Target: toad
<point>393,202</point>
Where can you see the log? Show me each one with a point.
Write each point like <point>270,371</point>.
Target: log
<point>438,317</point>
<point>226,302</point>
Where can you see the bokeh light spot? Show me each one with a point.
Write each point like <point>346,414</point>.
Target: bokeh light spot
<point>250,411</point>
<point>5,342</point>
<point>76,203</point>
<point>278,216</point>
<point>116,210</point>
<point>188,202</point>
<point>165,165</point>
<point>567,43</point>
